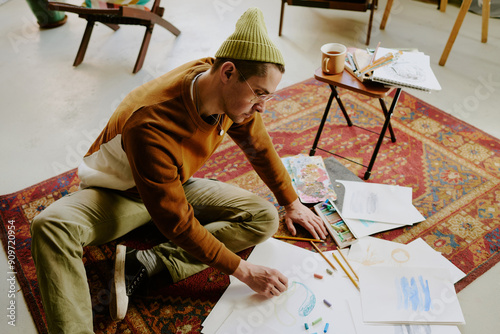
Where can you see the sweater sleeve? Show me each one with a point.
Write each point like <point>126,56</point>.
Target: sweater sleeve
<point>255,142</point>
<point>155,158</point>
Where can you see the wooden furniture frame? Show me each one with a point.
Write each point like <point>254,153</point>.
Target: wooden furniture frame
<point>352,5</point>
<point>347,81</point>
<point>112,18</point>
<point>464,8</point>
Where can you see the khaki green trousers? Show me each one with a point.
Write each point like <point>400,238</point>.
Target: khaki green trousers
<point>95,216</point>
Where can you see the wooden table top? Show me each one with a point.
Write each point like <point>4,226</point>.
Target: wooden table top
<point>348,81</point>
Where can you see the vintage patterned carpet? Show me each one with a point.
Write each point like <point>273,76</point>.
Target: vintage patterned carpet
<point>452,167</point>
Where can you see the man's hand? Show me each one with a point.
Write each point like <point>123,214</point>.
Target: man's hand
<point>263,280</point>
<point>298,213</point>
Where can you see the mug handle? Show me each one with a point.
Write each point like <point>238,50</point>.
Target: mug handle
<point>325,63</point>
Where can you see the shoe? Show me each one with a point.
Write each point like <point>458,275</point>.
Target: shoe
<point>129,275</point>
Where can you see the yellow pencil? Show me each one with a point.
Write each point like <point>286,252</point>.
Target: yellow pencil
<point>323,255</point>
<point>296,238</point>
<point>342,254</point>
<point>343,268</point>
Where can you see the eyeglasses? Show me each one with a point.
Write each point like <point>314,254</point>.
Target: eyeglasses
<point>257,98</point>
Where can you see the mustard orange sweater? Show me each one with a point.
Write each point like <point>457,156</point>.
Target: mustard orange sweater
<point>155,141</point>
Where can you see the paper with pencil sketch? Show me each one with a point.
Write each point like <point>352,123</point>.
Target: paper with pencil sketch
<point>411,70</point>
<point>379,202</point>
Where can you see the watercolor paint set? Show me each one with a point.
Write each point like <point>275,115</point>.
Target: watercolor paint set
<point>335,224</point>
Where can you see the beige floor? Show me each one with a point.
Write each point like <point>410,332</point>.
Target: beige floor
<point>51,111</point>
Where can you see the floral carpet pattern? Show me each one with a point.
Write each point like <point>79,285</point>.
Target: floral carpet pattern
<point>452,167</point>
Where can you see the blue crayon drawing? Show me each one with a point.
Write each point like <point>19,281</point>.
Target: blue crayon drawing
<point>412,329</point>
<point>413,294</point>
<point>295,301</point>
<point>309,302</point>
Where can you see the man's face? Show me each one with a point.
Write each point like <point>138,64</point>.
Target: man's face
<point>241,97</point>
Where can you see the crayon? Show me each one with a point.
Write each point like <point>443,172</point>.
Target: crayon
<point>306,326</point>
<point>327,303</point>
<point>318,276</point>
<point>326,327</point>
<point>317,321</point>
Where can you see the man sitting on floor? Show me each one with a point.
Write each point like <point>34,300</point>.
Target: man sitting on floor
<point>140,169</point>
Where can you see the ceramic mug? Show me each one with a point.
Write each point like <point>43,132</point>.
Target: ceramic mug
<point>333,58</point>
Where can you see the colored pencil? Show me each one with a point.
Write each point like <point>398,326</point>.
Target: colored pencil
<point>341,254</point>
<point>296,238</point>
<point>323,255</point>
<point>343,268</point>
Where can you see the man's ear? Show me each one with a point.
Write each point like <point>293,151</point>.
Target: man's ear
<point>227,70</point>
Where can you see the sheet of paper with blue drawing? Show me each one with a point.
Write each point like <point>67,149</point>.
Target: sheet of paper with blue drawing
<point>409,296</point>
<point>240,310</point>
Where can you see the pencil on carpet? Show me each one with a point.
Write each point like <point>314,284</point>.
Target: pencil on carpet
<point>296,238</point>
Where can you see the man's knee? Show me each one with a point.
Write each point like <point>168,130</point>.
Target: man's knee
<point>49,229</point>
<point>269,220</point>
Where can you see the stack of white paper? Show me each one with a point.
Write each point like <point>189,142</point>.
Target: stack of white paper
<point>404,285</point>
<point>403,289</point>
<point>370,208</point>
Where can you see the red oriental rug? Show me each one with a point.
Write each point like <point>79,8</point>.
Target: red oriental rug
<point>452,167</point>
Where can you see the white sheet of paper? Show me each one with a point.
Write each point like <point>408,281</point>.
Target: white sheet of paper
<point>375,252</point>
<point>361,227</point>
<point>379,202</point>
<point>242,310</point>
<point>427,256</point>
<point>364,328</point>
<point>409,295</point>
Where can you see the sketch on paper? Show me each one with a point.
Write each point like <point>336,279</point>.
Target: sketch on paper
<point>366,202</point>
<point>413,294</point>
<point>413,329</point>
<point>297,294</point>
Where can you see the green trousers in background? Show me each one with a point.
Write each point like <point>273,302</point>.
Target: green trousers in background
<point>46,18</point>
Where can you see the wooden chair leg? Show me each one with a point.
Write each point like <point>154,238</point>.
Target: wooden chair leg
<point>144,48</point>
<point>85,42</point>
<point>387,11</point>
<point>454,32</point>
<point>169,26</point>
<point>115,27</point>
<point>442,5</point>
<point>486,18</point>
<point>281,16</point>
<point>372,9</point>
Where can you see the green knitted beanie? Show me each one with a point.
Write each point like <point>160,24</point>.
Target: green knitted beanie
<point>250,41</point>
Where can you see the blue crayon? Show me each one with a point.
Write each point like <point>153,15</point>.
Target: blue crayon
<point>326,327</point>
<point>306,326</point>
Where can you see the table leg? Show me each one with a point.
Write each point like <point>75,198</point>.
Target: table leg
<point>384,109</point>
<point>382,134</point>
<point>322,124</point>
<point>341,105</point>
